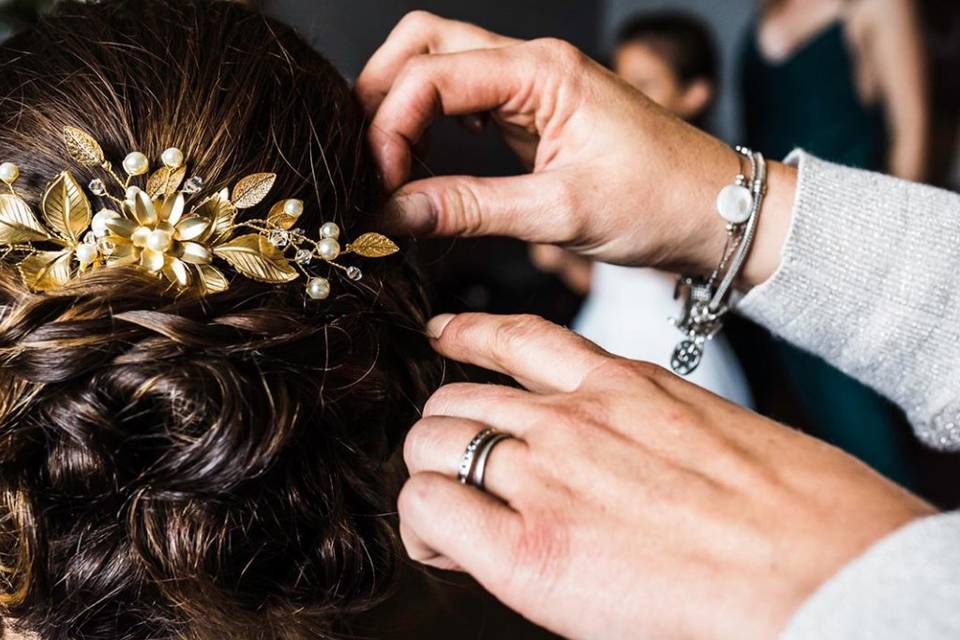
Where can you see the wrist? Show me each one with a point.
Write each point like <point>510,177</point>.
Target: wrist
<point>773,227</point>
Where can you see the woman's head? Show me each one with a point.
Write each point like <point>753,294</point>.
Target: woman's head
<point>176,466</point>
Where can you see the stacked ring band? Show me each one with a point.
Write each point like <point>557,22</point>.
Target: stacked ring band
<point>473,463</point>
<point>480,468</point>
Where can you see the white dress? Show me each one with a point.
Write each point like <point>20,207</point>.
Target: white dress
<point>627,313</point>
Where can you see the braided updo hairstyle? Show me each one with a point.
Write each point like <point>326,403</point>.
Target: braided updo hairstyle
<point>174,466</point>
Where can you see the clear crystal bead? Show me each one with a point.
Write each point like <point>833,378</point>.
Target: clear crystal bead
<point>193,185</point>
<point>303,256</point>
<point>279,238</point>
<point>97,187</point>
<point>354,273</point>
<point>90,238</point>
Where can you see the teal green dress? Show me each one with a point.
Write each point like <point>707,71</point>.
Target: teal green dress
<point>810,101</point>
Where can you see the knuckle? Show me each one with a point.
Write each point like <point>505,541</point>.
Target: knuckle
<point>442,399</point>
<point>636,372</point>
<point>411,498</point>
<point>414,70</point>
<point>578,416</point>
<point>560,52</point>
<point>635,369</point>
<point>417,20</point>
<point>588,411</point>
<point>436,403</point>
<point>516,330</point>
<point>656,374</point>
<point>418,440</point>
<point>461,207</point>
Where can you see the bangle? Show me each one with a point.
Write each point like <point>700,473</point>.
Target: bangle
<point>706,300</point>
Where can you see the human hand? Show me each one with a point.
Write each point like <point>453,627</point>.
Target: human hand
<point>614,176</point>
<point>631,503</point>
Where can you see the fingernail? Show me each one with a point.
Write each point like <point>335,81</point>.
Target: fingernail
<point>411,213</point>
<point>436,326</point>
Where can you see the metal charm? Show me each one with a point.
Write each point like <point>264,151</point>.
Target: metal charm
<point>686,357</point>
<point>697,321</point>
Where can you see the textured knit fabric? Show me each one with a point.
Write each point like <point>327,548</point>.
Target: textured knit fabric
<point>904,587</point>
<point>838,126</point>
<point>868,281</point>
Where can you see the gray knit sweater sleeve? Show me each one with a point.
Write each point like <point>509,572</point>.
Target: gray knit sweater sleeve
<point>870,281</point>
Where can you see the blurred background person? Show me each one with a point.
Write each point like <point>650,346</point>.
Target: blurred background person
<point>671,57</point>
<point>846,81</point>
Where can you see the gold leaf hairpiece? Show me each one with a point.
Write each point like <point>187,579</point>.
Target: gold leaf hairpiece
<point>165,181</point>
<point>82,147</point>
<point>160,230</point>
<point>254,256</point>
<point>66,209</point>
<point>250,191</point>
<point>372,245</point>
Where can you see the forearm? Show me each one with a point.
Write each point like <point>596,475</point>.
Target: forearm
<point>867,280</point>
<point>773,228</point>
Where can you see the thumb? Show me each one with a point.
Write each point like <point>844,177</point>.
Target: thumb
<point>535,208</point>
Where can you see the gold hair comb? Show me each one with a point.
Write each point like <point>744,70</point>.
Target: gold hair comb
<point>157,228</point>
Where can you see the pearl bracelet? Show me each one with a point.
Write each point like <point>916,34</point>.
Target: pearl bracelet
<point>706,300</point>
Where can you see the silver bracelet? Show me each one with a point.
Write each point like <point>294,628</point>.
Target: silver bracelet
<point>706,300</point>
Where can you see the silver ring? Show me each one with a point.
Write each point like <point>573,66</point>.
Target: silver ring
<point>480,468</point>
<point>473,463</point>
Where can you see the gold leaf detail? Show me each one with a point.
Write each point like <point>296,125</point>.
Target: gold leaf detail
<point>212,279</point>
<point>82,147</point>
<point>65,208</point>
<point>47,270</point>
<point>250,191</point>
<point>257,259</point>
<point>373,245</point>
<point>165,181</point>
<point>279,218</point>
<point>221,212</point>
<point>18,222</point>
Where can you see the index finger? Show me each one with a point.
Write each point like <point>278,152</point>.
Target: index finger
<point>540,355</point>
<point>418,33</point>
<point>450,84</point>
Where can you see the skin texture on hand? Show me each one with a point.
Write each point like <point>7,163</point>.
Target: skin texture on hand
<point>613,176</point>
<point>631,503</point>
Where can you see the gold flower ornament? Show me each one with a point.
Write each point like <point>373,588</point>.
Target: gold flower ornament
<point>160,230</point>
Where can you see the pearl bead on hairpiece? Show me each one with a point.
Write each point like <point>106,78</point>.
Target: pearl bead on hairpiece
<point>158,229</point>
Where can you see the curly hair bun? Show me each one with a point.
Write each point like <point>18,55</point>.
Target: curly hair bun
<point>185,467</point>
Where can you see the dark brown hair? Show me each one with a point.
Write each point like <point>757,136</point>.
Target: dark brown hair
<point>184,467</point>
